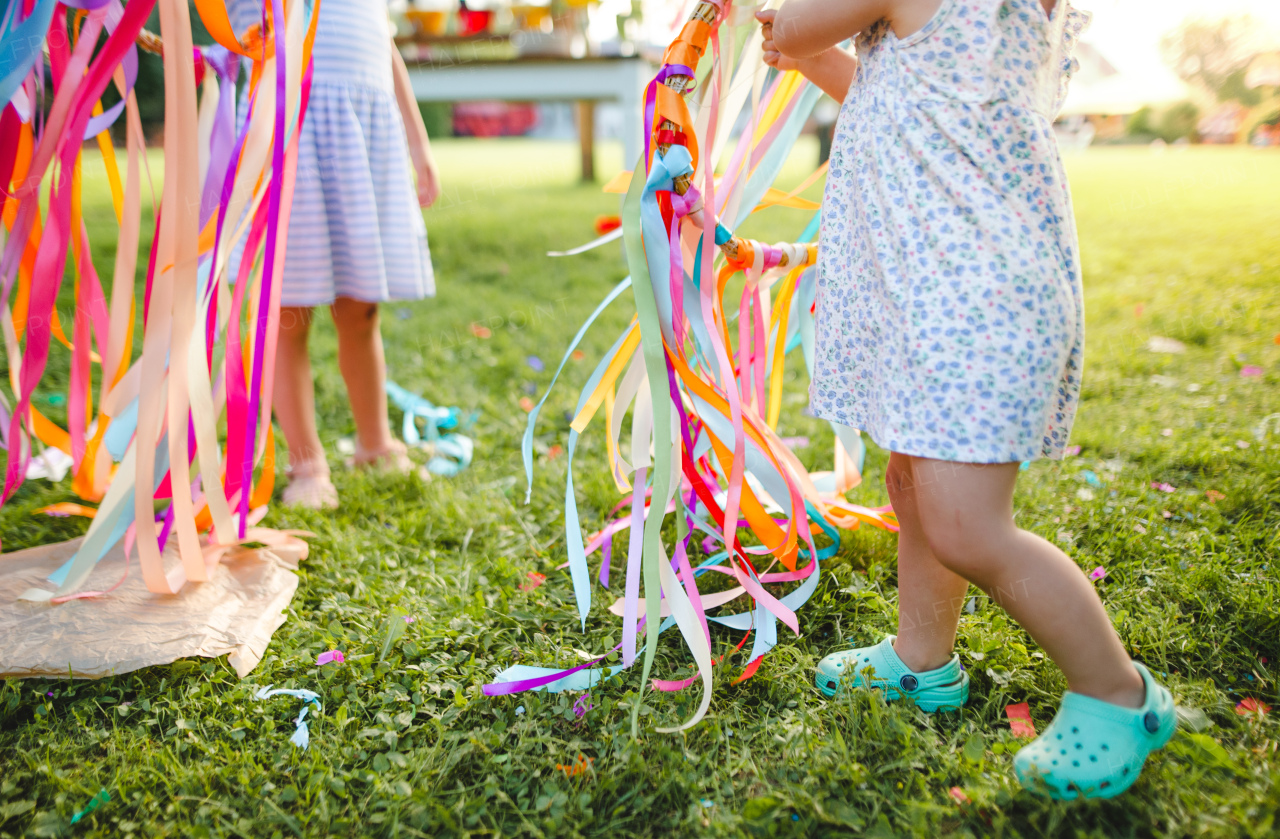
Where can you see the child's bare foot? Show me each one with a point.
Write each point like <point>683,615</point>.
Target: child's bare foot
<point>310,488</point>
<point>393,458</point>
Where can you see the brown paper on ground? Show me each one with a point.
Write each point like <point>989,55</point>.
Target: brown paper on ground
<point>233,614</point>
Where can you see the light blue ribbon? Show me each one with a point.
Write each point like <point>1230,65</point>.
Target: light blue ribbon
<point>301,734</point>
<point>21,43</point>
<point>453,452</point>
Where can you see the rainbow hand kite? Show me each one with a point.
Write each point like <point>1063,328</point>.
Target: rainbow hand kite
<point>705,411</point>
<point>189,420</point>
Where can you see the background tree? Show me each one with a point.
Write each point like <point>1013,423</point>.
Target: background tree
<point>1213,54</point>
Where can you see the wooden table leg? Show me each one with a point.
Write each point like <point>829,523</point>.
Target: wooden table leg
<point>587,138</point>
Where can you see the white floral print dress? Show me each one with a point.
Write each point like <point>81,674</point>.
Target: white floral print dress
<point>950,321</point>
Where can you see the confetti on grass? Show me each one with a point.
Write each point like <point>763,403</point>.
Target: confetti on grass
<point>481,332</point>
<point>1072,451</point>
<point>1251,370</point>
<point>526,404</point>
<point>1098,573</point>
<point>1163,487</point>
<point>535,580</point>
<point>330,657</point>
<point>94,803</point>
<point>578,767</point>
<point>1020,724</point>
<point>536,363</point>
<point>1252,706</point>
<point>958,796</point>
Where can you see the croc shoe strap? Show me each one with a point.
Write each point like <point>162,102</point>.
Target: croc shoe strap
<point>880,667</point>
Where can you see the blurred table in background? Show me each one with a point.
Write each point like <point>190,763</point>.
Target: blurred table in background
<point>535,79</point>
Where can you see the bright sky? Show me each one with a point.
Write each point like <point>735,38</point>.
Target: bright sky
<point>1128,33</point>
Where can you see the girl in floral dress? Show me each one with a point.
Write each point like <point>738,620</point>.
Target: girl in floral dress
<point>951,329</point>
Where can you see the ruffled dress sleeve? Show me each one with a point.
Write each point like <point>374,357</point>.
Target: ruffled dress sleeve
<point>1066,24</point>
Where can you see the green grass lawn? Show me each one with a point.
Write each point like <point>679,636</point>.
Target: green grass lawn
<point>1181,245</point>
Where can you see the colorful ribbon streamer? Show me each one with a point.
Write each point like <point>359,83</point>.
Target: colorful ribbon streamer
<point>209,320</point>
<point>703,382</point>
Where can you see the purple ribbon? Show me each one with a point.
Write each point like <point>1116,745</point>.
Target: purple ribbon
<point>223,137</point>
<point>521,685</point>
<point>606,552</point>
<point>268,266</point>
<point>129,63</point>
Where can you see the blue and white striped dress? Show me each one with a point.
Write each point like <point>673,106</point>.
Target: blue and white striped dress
<point>356,229</point>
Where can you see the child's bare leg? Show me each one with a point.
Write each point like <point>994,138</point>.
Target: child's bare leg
<point>929,595</point>
<point>966,511</point>
<point>364,369</point>
<point>294,396</point>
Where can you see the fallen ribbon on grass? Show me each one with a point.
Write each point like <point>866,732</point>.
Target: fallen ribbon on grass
<point>94,803</point>
<point>301,735</point>
<point>451,452</point>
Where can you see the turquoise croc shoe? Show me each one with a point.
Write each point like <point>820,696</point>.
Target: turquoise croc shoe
<point>944,689</point>
<point>1095,749</point>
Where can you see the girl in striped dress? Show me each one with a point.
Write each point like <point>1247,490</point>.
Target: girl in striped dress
<point>356,234</point>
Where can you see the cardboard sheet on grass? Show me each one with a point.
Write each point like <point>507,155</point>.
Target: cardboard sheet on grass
<point>234,613</point>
